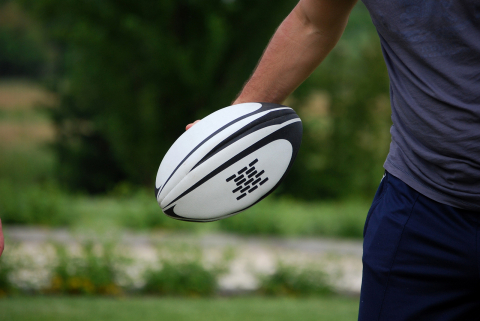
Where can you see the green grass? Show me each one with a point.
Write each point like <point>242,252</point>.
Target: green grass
<point>176,309</point>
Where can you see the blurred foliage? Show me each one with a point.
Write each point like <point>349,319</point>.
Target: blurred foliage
<point>183,279</point>
<point>290,280</point>
<point>181,271</point>
<point>135,72</point>
<point>23,49</point>
<point>99,268</point>
<point>28,193</point>
<point>42,204</point>
<point>91,273</point>
<point>287,217</point>
<point>26,165</point>
<point>49,205</point>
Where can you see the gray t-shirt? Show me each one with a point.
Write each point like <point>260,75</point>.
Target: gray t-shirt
<point>432,52</point>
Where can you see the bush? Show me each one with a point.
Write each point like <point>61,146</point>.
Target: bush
<point>90,273</point>
<point>180,272</point>
<point>182,279</point>
<point>294,281</point>
<point>23,51</point>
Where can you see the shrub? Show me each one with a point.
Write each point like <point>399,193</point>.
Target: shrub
<point>294,281</point>
<point>182,279</point>
<point>181,272</point>
<point>23,50</point>
<point>90,273</point>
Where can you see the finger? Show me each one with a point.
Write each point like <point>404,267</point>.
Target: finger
<point>190,125</point>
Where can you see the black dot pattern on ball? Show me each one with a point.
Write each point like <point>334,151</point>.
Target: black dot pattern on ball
<point>247,179</point>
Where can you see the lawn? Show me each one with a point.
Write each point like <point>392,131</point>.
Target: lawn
<point>165,309</point>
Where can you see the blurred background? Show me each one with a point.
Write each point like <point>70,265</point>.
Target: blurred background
<point>92,95</point>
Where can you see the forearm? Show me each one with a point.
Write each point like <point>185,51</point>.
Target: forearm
<point>298,46</point>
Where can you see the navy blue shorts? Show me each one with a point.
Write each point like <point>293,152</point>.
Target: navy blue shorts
<point>420,258</point>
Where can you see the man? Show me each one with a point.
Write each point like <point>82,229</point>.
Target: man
<point>422,232</point>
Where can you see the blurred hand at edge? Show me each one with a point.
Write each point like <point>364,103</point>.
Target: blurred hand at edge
<point>237,101</point>
<point>2,244</point>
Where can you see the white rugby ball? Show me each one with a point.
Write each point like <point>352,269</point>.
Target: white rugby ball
<point>228,161</point>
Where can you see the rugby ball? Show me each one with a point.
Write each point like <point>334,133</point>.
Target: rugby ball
<point>228,161</point>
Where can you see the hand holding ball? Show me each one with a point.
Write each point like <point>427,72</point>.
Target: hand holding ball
<point>190,125</point>
<point>228,161</point>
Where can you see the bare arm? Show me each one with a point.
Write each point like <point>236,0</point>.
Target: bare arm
<point>298,46</point>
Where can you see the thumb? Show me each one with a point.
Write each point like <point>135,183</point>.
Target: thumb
<point>190,125</point>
